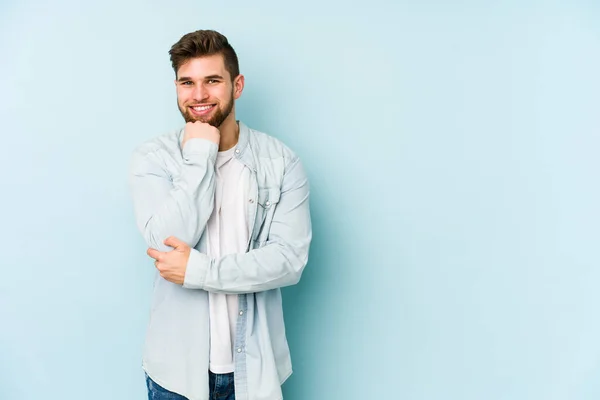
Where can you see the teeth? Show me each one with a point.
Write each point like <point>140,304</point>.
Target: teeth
<point>202,108</point>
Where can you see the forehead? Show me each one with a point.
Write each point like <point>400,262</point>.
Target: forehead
<point>199,67</point>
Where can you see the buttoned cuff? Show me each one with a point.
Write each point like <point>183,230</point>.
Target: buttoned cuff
<point>197,268</point>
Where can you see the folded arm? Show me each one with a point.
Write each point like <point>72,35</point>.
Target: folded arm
<point>280,262</point>
<point>174,206</point>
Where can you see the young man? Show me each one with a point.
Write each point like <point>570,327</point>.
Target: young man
<point>225,212</point>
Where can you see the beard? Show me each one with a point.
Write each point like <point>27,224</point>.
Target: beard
<point>219,114</point>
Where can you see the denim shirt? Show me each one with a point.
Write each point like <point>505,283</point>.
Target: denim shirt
<point>173,195</point>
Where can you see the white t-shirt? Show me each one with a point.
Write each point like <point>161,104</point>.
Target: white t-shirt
<point>227,234</point>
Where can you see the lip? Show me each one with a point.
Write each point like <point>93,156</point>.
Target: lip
<point>204,112</point>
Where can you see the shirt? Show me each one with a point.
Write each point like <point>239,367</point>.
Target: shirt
<point>173,190</point>
<point>227,234</point>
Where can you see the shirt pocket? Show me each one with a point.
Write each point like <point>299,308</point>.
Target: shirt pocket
<point>267,201</point>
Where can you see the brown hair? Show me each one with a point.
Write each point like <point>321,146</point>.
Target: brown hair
<point>204,43</point>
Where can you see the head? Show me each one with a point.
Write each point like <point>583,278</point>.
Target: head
<point>207,77</point>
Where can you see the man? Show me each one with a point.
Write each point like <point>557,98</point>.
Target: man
<point>225,212</point>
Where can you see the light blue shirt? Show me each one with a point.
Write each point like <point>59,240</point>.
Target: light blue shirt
<point>173,195</point>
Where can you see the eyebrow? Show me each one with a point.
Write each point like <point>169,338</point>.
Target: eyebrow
<point>187,78</point>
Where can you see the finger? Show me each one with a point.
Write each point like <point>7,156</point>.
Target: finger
<point>154,254</point>
<point>173,242</point>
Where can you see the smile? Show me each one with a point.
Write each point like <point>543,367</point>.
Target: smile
<point>201,110</point>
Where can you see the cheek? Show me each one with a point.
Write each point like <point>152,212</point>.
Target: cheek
<point>224,95</point>
<point>182,96</point>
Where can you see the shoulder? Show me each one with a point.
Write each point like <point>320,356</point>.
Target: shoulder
<point>276,161</point>
<point>161,151</point>
<point>166,142</point>
<point>268,146</point>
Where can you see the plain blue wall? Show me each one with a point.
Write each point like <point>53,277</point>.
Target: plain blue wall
<point>453,155</point>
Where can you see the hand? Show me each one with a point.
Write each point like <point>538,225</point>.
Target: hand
<point>199,129</point>
<point>173,264</point>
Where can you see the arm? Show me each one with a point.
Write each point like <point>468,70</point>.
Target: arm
<point>180,208</point>
<point>279,263</point>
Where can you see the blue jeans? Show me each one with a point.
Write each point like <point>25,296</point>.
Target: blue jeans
<point>220,388</point>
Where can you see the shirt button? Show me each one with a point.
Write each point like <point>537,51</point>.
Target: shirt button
<point>268,203</point>
<point>237,151</point>
<point>251,201</point>
<point>241,312</point>
<point>239,350</point>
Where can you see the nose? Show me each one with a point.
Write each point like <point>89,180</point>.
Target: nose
<point>200,93</point>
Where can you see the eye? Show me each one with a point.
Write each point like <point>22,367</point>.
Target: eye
<point>211,81</point>
<point>186,83</point>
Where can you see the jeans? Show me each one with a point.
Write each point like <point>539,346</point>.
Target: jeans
<point>220,388</point>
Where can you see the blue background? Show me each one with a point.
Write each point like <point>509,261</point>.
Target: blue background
<point>452,150</point>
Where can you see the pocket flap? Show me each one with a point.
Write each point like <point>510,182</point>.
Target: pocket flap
<point>267,197</point>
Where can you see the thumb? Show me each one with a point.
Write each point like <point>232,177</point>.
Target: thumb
<point>173,242</point>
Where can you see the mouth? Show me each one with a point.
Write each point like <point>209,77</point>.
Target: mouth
<point>200,110</point>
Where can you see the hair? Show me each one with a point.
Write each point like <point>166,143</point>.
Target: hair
<point>204,43</point>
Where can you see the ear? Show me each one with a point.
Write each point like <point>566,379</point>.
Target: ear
<point>238,86</point>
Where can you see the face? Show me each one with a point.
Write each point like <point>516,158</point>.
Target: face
<point>205,91</point>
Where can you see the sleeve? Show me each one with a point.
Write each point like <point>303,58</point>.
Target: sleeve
<point>280,262</point>
<point>177,206</point>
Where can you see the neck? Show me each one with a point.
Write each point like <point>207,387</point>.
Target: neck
<point>230,133</point>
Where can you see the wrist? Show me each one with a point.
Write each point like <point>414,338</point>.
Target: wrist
<point>214,137</point>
